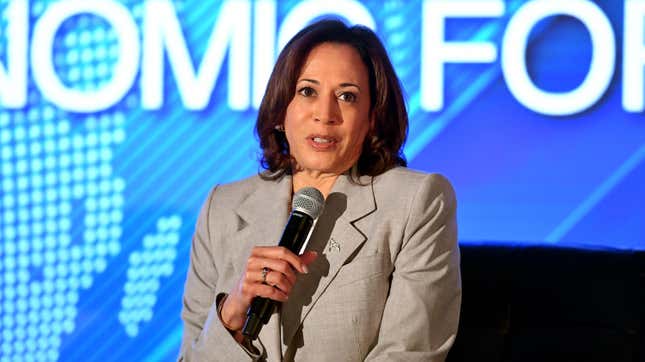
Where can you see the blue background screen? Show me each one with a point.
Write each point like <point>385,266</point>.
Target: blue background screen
<point>117,117</point>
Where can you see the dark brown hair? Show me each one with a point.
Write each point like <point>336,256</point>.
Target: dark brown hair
<point>382,146</point>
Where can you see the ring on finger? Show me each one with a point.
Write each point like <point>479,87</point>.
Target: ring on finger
<point>265,271</point>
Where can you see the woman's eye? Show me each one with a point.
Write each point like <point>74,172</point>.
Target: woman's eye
<point>348,97</point>
<point>306,91</point>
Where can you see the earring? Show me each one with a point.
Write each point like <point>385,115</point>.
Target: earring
<point>279,128</point>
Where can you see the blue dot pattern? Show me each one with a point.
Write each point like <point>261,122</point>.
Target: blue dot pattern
<point>61,206</point>
<point>146,268</point>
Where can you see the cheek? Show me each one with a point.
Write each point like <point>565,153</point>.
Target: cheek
<point>290,138</point>
<point>290,123</point>
<point>359,136</point>
<point>291,130</point>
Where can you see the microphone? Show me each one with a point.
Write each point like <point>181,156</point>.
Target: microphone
<point>306,206</point>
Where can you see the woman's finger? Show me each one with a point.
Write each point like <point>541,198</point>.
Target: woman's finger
<point>256,264</point>
<point>282,253</point>
<point>265,291</point>
<point>308,257</point>
<point>278,280</point>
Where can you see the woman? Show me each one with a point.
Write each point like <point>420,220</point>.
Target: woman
<point>380,277</point>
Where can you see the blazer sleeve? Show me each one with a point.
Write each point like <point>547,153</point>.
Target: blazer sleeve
<point>421,313</point>
<point>204,337</point>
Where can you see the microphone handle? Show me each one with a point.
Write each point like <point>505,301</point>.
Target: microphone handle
<point>293,237</point>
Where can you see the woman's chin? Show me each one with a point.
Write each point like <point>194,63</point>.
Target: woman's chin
<point>320,167</point>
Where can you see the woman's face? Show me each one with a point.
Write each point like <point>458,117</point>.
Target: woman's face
<point>328,117</point>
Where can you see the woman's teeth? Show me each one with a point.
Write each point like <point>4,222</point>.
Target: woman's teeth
<point>322,140</point>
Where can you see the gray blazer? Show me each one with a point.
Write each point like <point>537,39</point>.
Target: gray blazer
<point>386,285</point>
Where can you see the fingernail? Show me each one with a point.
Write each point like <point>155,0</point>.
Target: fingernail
<point>305,269</point>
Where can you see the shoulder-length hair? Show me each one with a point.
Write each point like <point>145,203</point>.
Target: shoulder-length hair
<point>382,148</point>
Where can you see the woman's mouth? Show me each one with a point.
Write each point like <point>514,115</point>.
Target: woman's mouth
<point>322,143</point>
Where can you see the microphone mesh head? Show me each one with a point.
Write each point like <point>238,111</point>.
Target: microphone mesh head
<point>309,201</point>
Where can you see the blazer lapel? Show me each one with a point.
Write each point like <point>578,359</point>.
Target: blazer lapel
<point>336,237</point>
<point>263,215</point>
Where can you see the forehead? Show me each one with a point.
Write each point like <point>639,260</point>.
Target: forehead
<point>334,61</point>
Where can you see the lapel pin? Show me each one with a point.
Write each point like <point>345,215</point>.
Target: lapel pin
<point>333,246</point>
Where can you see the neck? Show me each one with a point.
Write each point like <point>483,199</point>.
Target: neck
<point>322,181</point>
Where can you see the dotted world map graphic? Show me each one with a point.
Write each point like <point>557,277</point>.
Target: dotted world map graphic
<point>61,205</point>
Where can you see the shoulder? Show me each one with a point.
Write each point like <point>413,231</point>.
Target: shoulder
<point>403,182</point>
<point>235,192</point>
<point>224,198</point>
<point>424,203</point>
<point>231,194</point>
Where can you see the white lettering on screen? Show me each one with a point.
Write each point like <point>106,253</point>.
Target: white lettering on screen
<point>252,42</point>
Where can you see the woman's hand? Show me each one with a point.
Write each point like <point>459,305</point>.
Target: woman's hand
<point>276,284</point>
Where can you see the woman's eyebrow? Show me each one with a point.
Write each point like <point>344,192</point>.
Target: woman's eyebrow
<point>342,85</point>
<point>350,85</point>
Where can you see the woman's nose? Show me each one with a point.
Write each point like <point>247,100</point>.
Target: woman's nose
<point>327,109</point>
